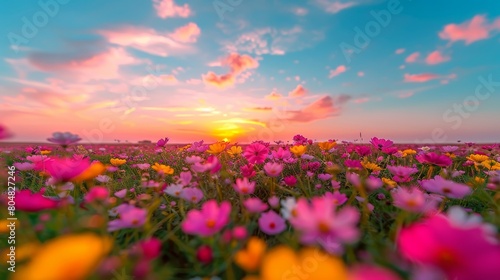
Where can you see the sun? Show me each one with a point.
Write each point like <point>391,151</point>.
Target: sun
<point>225,140</point>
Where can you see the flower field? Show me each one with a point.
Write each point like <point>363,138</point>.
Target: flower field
<point>294,210</point>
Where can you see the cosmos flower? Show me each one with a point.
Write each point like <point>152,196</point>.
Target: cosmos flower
<point>244,186</point>
<point>434,159</point>
<point>327,146</point>
<point>162,142</point>
<point>298,150</point>
<point>256,153</point>
<point>290,180</point>
<point>129,217</point>
<point>281,154</point>
<point>164,169</point>
<point>32,202</point>
<point>174,190</point>
<point>117,161</point>
<point>63,169</point>
<point>413,200</point>
<point>234,151</point>
<point>192,194</point>
<point>273,169</point>
<point>208,221</point>
<point>447,188</point>
<point>250,257</point>
<point>248,170</point>
<point>4,134</point>
<point>271,223</point>
<point>216,148</point>
<point>64,139</point>
<point>401,174</point>
<point>381,143</point>
<point>255,205</point>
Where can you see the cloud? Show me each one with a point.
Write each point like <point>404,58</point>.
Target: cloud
<point>322,108</point>
<point>337,71</point>
<point>273,96</point>
<point>361,74</point>
<point>420,78</point>
<point>150,41</point>
<point>412,57</point>
<point>298,91</point>
<point>168,8</point>
<point>259,109</point>
<point>470,31</point>
<point>298,11</point>
<point>274,41</point>
<point>436,57</point>
<point>187,34</point>
<point>399,51</point>
<point>335,6</point>
<point>237,64</point>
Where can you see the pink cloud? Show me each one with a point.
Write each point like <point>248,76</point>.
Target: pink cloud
<point>150,41</point>
<point>237,64</point>
<point>168,8</point>
<point>273,96</point>
<point>187,34</point>
<point>420,78</point>
<point>470,31</point>
<point>300,11</point>
<point>322,108</point>
<point>335,6</point>
<point>399,51</point>
<point>361,100</point>
<point>412,57</point>
<point>337,71</point>
<point>361,74</point>
<point>299,91</point>
<point>436,57</point>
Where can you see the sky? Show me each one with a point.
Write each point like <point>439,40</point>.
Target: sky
<point>241,70</point>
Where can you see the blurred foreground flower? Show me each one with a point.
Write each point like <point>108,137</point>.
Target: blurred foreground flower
<point>64,139</point>
<point>4,133</point>
<point>207,221</point>
<point>67,257</point>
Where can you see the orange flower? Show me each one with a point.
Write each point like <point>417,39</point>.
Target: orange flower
<point>298,150</point>
<point>117,161</point>
<point>161,168</point>
<point>249,259</point>
<point>326,146</point>
<point>217,148</point>
<point>94,170</point>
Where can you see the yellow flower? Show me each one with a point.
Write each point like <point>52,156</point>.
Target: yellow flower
<point>451,155</point>
<point>117,161</point>
<point>94,170</point>
<point>390,183</point>
<point>45,152</point>
<point>216,148</point>
<point>235,150</point>
<point>249,259</point>
<point>161,168</point>
<point>4,225</point>
<point>491,164</point>
<point>371,166</point>
<point>23,252</point>
<point>284,263</point>
<point>409,152</point>
<point>298,150</point>
<point>66,257</point>
<point>326,146</point>
<point>477,158</point>
<point>184,147</point>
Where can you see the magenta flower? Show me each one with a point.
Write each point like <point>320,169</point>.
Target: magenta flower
<point>4,133</point>
<point>402,174</point>
<point>63,169</point>
<point>434,159</point>
<point>64,139</point>
<point>96,194</point>
<point>460,253</point>
<point>256,153</point>
<point>149,248</point>
<point>447,188</point>
<point>413,200</point>
<point>371,272</point>
<point>192,194</point>
<point>318,222</point>
<point>255,205</point>
<point>207,221</point>
<point>129,217</point>
<point>363,150</point>
<point>336,197</point>
<point>185,178</point>
<point>273,169</point>
<point>248,171</point>
<point>162,142</point>
<point>290,180</point>
<point>32,202</point>
<point>271,223</point>
<point>353,163</point>
<point>281,154</point>
<point>24,166</point>
<point>244,186</point>
<point>325,176</point>
<point>381,143</point>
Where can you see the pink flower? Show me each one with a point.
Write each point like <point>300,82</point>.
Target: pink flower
<point>185,178</point>
<point>373,183</point>
<point>324,176</point>
<point>274,201</point>
<point>255,205</point>
<point>363,150</point>
<point>434,159</point>
<point>149,248</point>
<point>24,166</point>
<point>337,198</point>
<point>370,272</point>
<point>239,232</point>
<point>4,133</point>
<point>273,169</point>
<point>413,200</point>
<point>352,163</point>
<point>192,194</point>
<point>207,221</point>
<point>244,186</point>
<point>96,194</point>
<point>290,180</point>
<point>402,174</point>
<point>281,154</point>
<point>32,202</point>
<point>447,188</point>
<point>64,139</point>
<point>121,193</point>
<point>460,253</point>
<point>271,223</point>
<point>162,142</point>
<point>256,153</point>
<point>63,169</point>
<point>318,222</point>
<point>129,217</point>
<point>248,171</point>
<point>381,143</point>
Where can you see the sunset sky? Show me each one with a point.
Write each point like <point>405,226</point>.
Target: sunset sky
<point>411,71</point>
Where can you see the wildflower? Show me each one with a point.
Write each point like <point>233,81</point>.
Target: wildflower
<point>129,217</point>
<point>207,221</point>
<point>325,176</point>
<point>274,201</point>
<point>273,169</point>
<point>56,259</point>
<point>298,150</point>
<point>235,150</point>
<point>413,200</point>
<point>248,171</point>
<point>436,242</point>
<point>447,188</point>
<point>371,166</point>
<point>281,154</point>
<point>256,153</point>
<point>381,143</point>
<point>162,142</point>
<point>290,180</point>
<point>373,183</point>
<point>204,254</point>
<point>216,148</point>
<point>149,248</point>
<point>143,166</point>
<point>163,169</point>
<point>24,166</point>
<point>94,170</point>
<point>244,186</point>
<point>64,139</point>
<point>193,159</point>
<point>371,272</point>
<point>491,164</point>
<point>63,169</point>
<point>288,207</point>
<point>96,194</point>
<point>354,164</point>
<point>32,202</point>
<point>239,232</point>
<point>255,205</point>
<point>174,190</point>
<point>192,194</point>
<point>121,193</point>
<point>402,174</point>
<point>336,197</point>
<point>408,152</point>
<point>117,161</point>
<point>477,158</point>
<point>390,183</point>
<point>45,152</point>
<point>185,178</point>
<point>434,159</point>
<point>363,150</point>
<point>318,222</point>
<point>326,146</point>
<point>4,134</point>
<point>250,258</point>
<point>282,262</point>
<point>271,223</point>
